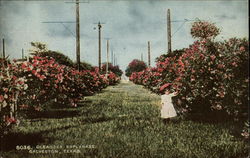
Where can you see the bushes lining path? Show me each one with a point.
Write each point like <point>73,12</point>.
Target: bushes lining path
<point>122,121</point>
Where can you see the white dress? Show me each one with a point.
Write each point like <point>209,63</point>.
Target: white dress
<point>167,110</point>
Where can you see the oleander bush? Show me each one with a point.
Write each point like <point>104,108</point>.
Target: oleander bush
<point>11,87</point>
<point>112,68</point>
<point>208,76</point>
<point>135,66</point>
<point>31,85</point>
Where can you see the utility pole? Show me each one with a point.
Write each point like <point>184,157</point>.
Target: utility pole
<point>77,35</point>
<point>149,54</point>
<point>78,59</point>
<point>22,54</point>
<point>3,49</point>
<point>107,63</point>
<point>169,31</point>
<point>99,24</point>
<point>141,56</point>
<point>99,51</point>
<point>112,56</point>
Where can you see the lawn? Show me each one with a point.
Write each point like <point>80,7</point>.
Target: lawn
<point>121,121</point>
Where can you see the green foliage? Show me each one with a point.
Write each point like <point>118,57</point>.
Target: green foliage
<point>84,66</point>
<point>204,30</point>
<point>40,49</point>
<point>112,68</point>
<point>59,57</point>
<point>135,66</point>
<point>176,53</point>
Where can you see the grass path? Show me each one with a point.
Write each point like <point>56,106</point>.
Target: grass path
<point>122,121</point>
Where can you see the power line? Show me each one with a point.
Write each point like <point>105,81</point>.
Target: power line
<point>59,22</point>
<point>178,28</point>
<point>63,24</point>
<point>183,22</point>
<point>68,30</point>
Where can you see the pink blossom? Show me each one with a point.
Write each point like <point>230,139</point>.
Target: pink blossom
<point>212,57</point>
<point>1,98</point>
<point>242,48</point>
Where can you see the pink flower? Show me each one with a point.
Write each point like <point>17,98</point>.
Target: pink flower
<point>234,64</point>
<point>5,90</point>
<point>24,66</point>
<point>242,48</point>
<point>34,72</point>
<point>41,77</point>
<point>14,77</point>
<point>10,120</point>
<point>192,78</point>
<point>20,82</point>
<point>221,94</point>
<point>23,106</point>
<point>29,69</point>
<point>221,66</point>
<point>212,57</point>
<point>1,98</point>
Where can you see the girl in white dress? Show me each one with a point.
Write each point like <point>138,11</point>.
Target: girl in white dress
<point>167,110</point>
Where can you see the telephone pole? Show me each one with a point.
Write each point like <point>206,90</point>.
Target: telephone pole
<point>77,35</point>
<point>112,57</point>
<point>107,64</point>
<point>99,24</point>
<point>169,31</point>
<point>22,54</point>
<point>3,49</point>
<point>149,54</point>
<point>141,56</point>
<point>99,52</point>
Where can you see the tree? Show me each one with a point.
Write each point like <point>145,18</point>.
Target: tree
<point>204,30</point>
<point>135,66</point>
<point>112,68</point>
<point>40,49</point>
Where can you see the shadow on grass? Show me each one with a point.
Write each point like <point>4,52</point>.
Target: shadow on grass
<point>13,139</point>
<point>125,118</point>
<point>221,120</point>
<point>52,114</point>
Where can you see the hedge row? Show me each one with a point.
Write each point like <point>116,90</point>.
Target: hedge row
<point>208,76</point>
<point>31,84</point>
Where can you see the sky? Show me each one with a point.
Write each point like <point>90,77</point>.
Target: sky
<point>129,25</point>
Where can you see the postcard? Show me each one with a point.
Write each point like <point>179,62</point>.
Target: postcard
<point>124,78</point>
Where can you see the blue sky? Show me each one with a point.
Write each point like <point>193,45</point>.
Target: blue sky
<point>129,24</point>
